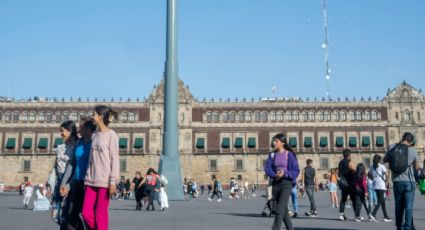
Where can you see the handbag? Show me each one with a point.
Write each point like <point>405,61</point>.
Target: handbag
<point>422,186</point>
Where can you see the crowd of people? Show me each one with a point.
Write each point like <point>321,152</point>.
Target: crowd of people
<point>366,188</point>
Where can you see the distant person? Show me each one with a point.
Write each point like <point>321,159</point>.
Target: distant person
<point>103,170</point>
<point>215,191</point>
<point>27,194</point>
<point>333,180</point>
<point>138,190</point>
<point>402,158</point>
<point>150,183</point>
<point>282,167</point>
<point>163,198</point>
<point>41,203</point>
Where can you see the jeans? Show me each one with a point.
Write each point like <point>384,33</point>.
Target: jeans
<point>381,203</point>
<point>404,196</point>
<point>281,192</point>
<point>310,194</point>
<point>373,200</point>
<point>294,197</point>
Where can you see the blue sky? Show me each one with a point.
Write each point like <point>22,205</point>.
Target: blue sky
<point>227,48</point>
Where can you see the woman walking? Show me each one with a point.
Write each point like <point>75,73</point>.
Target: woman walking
<point>380,179</point>
<point>360,186</point>
<point>333,179</point>
<point>102,172</point>
<point>282,167</point>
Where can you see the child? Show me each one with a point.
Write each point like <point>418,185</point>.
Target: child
<point>360,186</point>
<point>102,171</point>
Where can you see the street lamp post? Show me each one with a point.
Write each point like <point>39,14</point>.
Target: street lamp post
<point>169,164</point>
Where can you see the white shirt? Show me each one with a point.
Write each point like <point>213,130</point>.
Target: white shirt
<point>378,174</point>
<point>28,191</point>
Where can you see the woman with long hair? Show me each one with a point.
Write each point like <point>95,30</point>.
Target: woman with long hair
<point>150,184</point>
<point>360,186</point>
<point>282,167</point>
<point>333,179</point>
<point>380,179</point>
<point>102,171</point>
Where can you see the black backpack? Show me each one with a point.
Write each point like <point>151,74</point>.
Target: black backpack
<point>399,158</point>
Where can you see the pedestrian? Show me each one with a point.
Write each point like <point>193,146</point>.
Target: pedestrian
<point>209,189</point>
<point>64,152</point>
<point>360,187</point>
<point>333,179</point>
<point>150,183</point>
<point>309,179</point>
<point>294,198</point>
<point>282,167</point>
<point>215,191</point>
<point>72,185</point>
<point>402,158</point>
<point>202,189</point>
<point>253,189</point>
<point>102,172</point>
<point>372,198</point>
<point>41,203</point>
<point>163,198</point>
<point>346,171</point>
<point>27,194</point>
<point>138,192</point>
<point>379,176</point>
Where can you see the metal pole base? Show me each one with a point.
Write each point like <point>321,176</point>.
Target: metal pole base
<point>170,167</point>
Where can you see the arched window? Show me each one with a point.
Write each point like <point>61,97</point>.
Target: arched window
<point>295,116</point>
<point>225,116</point>
<point>232,117</point>
<point>374,115</point>
<point>273,116</point>
<point>257,116</point>
<point>41,116</point>
<point>247,116</point>
<point>73,116</point>
<point>279,116</point>
<point>1,116</point>
<point>264,116</point>
<point>241,116</point>
<point>65,116</point>
<point>366,116</point>
<point>123,116</point>
<point>24,116</point>
<point>352,116</point>
<point>82,114</point>
<point>311,116</point>
<point>305,116</point>
<point>7,116</point>
<point>343,116</point>
<point>131,116</point>
<point>49,117</point>
<point>289,116</point>
<point>327,116</point>
<point>358,116</point>
<point>215,117</point>
<point>321,116</point>
<point>209,117</point>
<point>31,116</point>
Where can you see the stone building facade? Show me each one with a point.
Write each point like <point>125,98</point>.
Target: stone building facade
<point>216,138</point>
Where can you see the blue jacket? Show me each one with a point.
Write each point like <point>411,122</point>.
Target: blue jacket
<point>292,172</point>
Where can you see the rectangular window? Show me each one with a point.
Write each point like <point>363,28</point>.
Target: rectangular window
<point>123,165</point>
<point>213,165</point>
<point>239,164</point>
<point>239,177</point>
<point>396,115</point>
<point>26,167</point>
<point>324,163</point>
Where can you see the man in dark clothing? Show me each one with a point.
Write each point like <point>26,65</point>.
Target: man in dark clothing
<point>346,171</point>
<point>138,190</point>
<point>216,191</point>
<point>309,179</point>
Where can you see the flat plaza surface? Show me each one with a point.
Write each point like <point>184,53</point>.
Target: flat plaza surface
<point>201,214</point>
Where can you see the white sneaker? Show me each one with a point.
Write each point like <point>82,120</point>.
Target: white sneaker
<point>372,218</point>
<point>361,218</point>
<point>342,217</point>
<point>209,199</point>
<point>219,200</point>
<point>388,220</point>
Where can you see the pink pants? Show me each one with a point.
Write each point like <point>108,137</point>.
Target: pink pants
<point>95,207</point>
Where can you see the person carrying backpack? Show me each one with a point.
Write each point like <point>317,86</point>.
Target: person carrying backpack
<point>402,158</point>
<point>346,171</point>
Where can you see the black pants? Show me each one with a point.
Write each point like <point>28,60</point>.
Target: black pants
<point>215,193</point>
<point>381,203</point>
<point>344,196</point>
<point>150,190</point>
<point>139,196</point>
<point>360,200</point>
<point>281,192</point>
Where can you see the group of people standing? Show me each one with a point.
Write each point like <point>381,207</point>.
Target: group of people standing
<point>283,170</point>
<point>86,172</point>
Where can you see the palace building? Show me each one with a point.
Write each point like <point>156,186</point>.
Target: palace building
<point>221,138</point>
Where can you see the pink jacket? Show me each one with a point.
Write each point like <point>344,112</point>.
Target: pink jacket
<point>103,168</point>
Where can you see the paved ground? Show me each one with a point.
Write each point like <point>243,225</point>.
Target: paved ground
<point>201,214</point>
